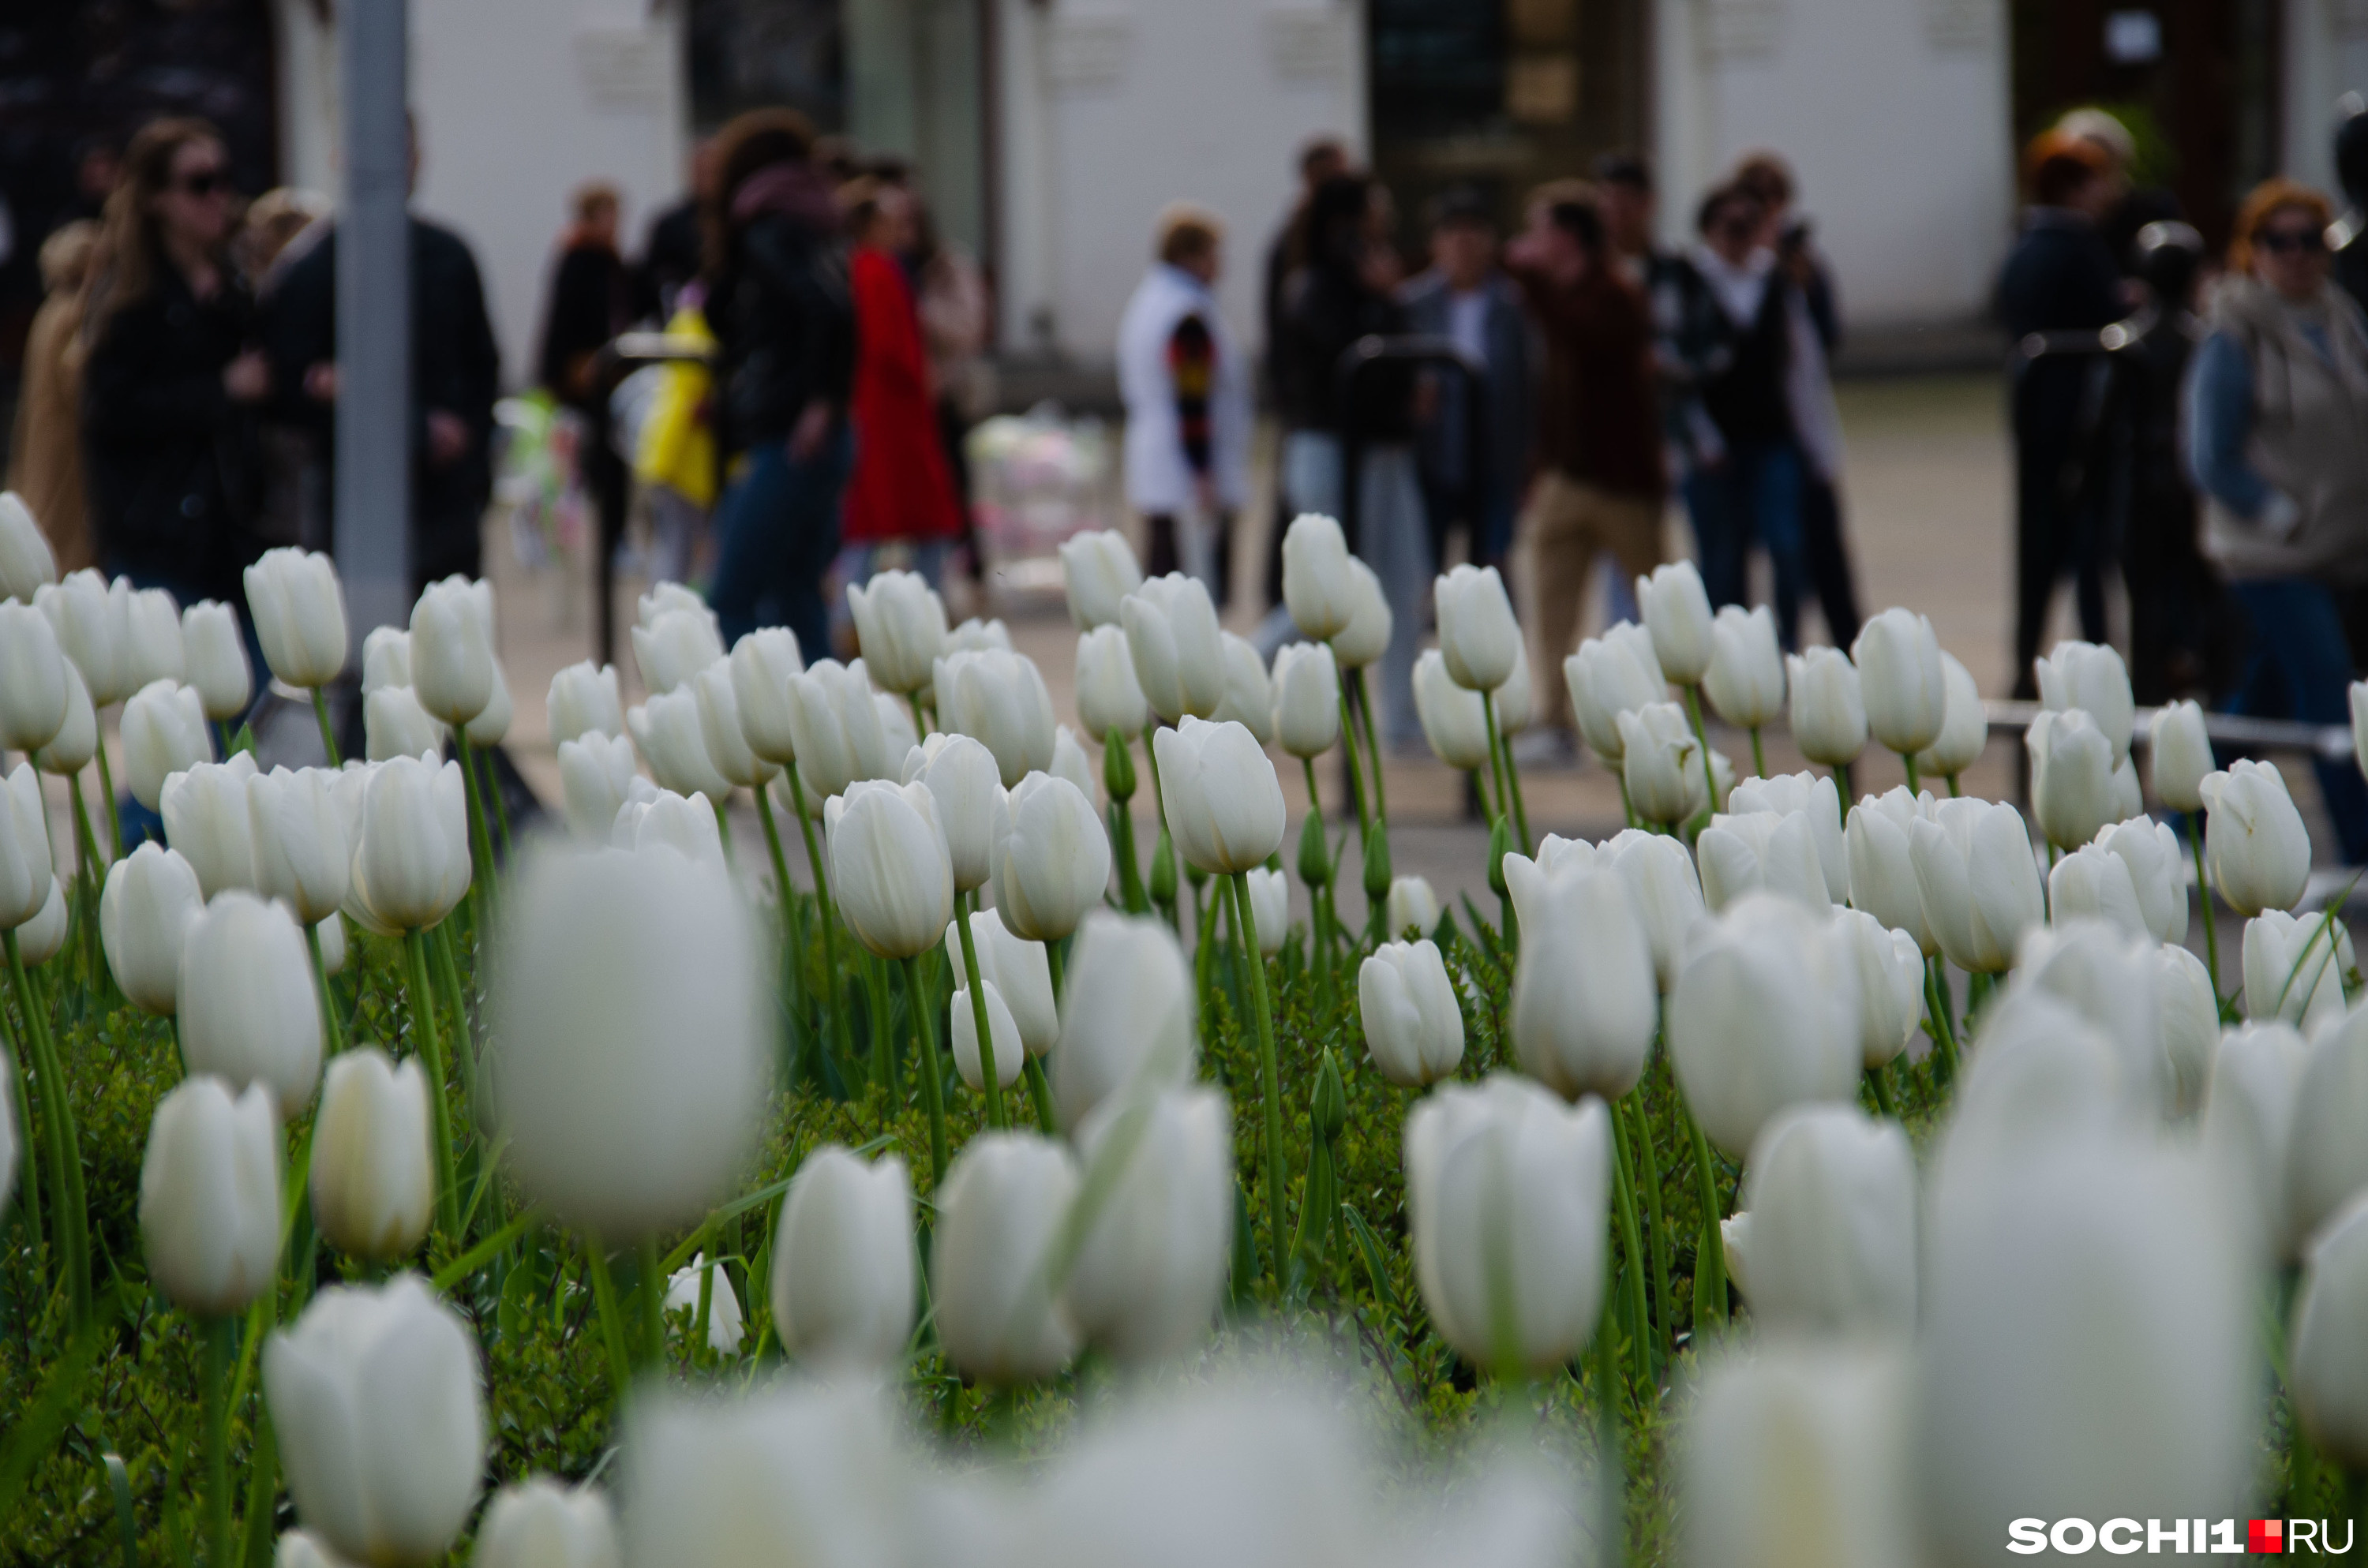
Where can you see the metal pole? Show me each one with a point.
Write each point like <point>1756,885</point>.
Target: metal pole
<point>373,483</point>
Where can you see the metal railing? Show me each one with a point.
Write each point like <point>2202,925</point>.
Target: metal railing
<point>2330,742</point>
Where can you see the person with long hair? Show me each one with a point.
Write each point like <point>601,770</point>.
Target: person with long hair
<point>778,301</point>
<point>2276,420</point>
<point>172,379</point>
<point>45,455</point>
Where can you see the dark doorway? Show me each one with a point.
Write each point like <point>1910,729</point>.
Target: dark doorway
<point>2194,80</point>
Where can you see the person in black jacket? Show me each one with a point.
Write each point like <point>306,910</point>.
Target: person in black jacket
<point>455,378</point>
<point>778,301</point>
<point>173,378</point>
<point>2061,277</point>
<point>2350,234</point>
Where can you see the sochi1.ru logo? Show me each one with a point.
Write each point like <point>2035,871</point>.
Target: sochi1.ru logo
<point>2075,1538</point>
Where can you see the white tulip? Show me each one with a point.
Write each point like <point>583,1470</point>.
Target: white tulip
<point>1073,764</point>
<point>725,1327</point>
<point>684,823</point>
<point>672,738</point>
<point>1890,983</point>
<point>890,868</point>
<point>1584,1010</point>
<point>1477,634</point>
<point>491,727</point>
<point>998,698</point>
<point>1667,892</point>
<point>842,1275</point>
<point>762,664</point>
<point>303,840</point>
<point>26,560</point>
<point>152,646</point>
<point>2255,838</point>
<point>216,656</point>
<point>70,750</point>
<point>2129,798</point>
<point>1812,795</point>
<point>25,871</point>
<point>1677,612</point>
<point>376,1396</point>
<point>1455,720</point>
<point>298,607</point>
<point>1306,700</point>
<point>1824,1243</point>
<point>1406,1005</point>
<point>1745,682</point>
<point>1660,762</point>
<point>145,912</point>
<point>2092,677</point>
<point>248,1007</point>
<point>722,731</point>
<point>595,774</point>
<point>999,1216</point>
<point>2189,1014</point>
<point>1614,674</point>
<point>1098,569</point>
<point>961,777</point>
<point>2327,1157</point>
<point>2325,1367</point>
<point>897,727</point>
<point>43,937</point>
<point>411,856</point>
<point>541,1524</point>
<point>2179,755</point>
<point>1127,1013</point>
<point>1150,1268</point>
<point>209,1197</point>
<point>1054,863</point>
<point>2094,883</point>
<point>1317,586</point>
<point>1756,851</point>
<point>2295,969</point>
<point>1881,872</point>
<point>1411,905</point>
<point>1020,968</point>
<point>631,1038</point>
<point>32,678</point>
<point>1976,879</point>
<point>164,732</point>
<point>452,649</point>
<point>386,661</point>
<point>584,699</point>
<point>2109,978</point>
<point>332,935</point>
<point>1171,634</point>
<point>89,620</point>
<point>1223,800</point>
<point>836,729</point>
<point>1901,681</point>
<point>1367,635</point>
<point>206,819</point>
<point>373,1180</point>
<point>2072,792</point>
<point>1514,702</point>
<point>2250,1107</point>
<point>900,624</point>
<point>1765,1016</point>
<point>664,596</point>
<point>1270,907</point>
<point>1507,1189</point>
<point>1249,692</point>
<point>2158,872</point>
<point>1964,726</point>
<point>674,645</point>
<point>1000,1029</point>
<point>394,724</point>
<point>1829,716</point>
<point>1109,697</point>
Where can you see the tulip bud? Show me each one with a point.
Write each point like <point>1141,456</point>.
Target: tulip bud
<point>452,649</point>
<point>665,595</point>
<point>584,699</point>
<point>298,607</point>
<point>216,657</point>
<point>1756,851</point>
<point>684,823</point>
<point>1826,1241</point>
<point>972,808</point>
<point>2324,1365</point>
<point>1477,634</point>
<point>1964,727</point>
<point>1977,881</point>
<point>1367,635</point>
<point>1677,612</point>
<point>1306,700</point>
<point>1126,1014</point>
<point>1614,674</point>
<point>1901,680</point>
<point>2094,883</point>
<point>249,1011</point>
<point>1316,587</point>
<point>632,1042</point>
<point>1151,1268</point>
<point>1171,634</point>
<point>725,1328</point>
<point>2157,868</point>
<point>1507,1195</point>
<point>2255,839</point>
<point>89,620</point>
<point>1021,972</point>
<point>491,724</point>
<point>842,1275</point>
<point>1455,721</point>
<point>164,732</point>
<point>2071,777</point>
<point>1890,971</point>
<point>373,1183</point>
<point>411,857</point>
<point>386,661</point>
<point>1249,692</point>
<point>541,1524</point>
<point>723,735</point>
<point>900,624</point>
<point>375,1395</point>
<point>2179,755</point>
<point>70,750</point>
<point>1098,569</point>
<point>151,636</point>
<point>2294,970</point>
<point>890,868</point>
<point>1744,681</point>
<point>151,898</point>
<point>1314,851</point>
<point>301,843</point>
<point>1881,871</point>
<point>672,738</point>
<point>1223,800</point>
<point>2092,677</point>
<point>1001,1030</point>
<point>1660,762</point>
<point>1665,890</point>
<point>676,645</point>
<point>1108,697</point>
<point>998,698</point>
<point>1074,765</point>
<point>2249,1118</point>
<point>1162,885</point>
<point>762,664</point>
<point>1269,908</point>
<point>1413,1027</point>
<point>1514,702</point>
<point>1053,864</point>
<point>1411,906</point>
<point>1814,797</point>
<point>999,1215</point>
<point>331,933</point>
<point>595,773</point>
<point>26,561</point>
<point>1584,1011</point>
<point>834,728</point>
<point>2327,1160</point>
<point>1829,716</point>
<point>209,1195</point>
<point>1765,1016</point>
<point>393,725</point>
<point>895,727</point>
<point>32,678</point>
<point>43,937</point>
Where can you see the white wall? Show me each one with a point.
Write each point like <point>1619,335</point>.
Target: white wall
<point>1893,113</point>
<point>1111,110</point>
<point>2326,56</point>
<point>518,103</point>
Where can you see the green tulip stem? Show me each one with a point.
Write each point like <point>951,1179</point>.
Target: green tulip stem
<point>480,867</point>
<point>1953,790</point>
<point>884,1063</point>
<point>1118,780</point>
<point>1237,891</point>
<point>613,1331</point>
<point>1373,749</point>
<point>780,866</point>
<point>217,1332</point>
<point>1944,1035</point>
<point>1627,806</point>
<point>1151,755</point>
<point>978,1020</point>
<point>1879,1080</point>
<point>328,732</point>
<point>431,1051</point>
<point>830,915</point>
<point>330,1033</point>
<point>107,787</point>
<point>921,725</point>
<point>2203,900</point>
<point>1842,786</point>
<point>1632,1243</point>
<point>86,841</point>
<point>1710,1262</point>
<point>1710,774</point>
<point>446,974</point>
<point>71,1222</point>
<point>1759,756</point>
<point>1649,1176</point>
<point>1496,757</point>
<point>1521,807</point>
<point>654,1289</point>
<point>30,1206</point>
<point>1611,1461</point>
<point>1908,761</point>
<point>933,1088</point>
<point>1356,769</point>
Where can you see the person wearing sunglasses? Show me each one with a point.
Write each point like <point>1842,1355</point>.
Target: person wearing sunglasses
<point>2276,416</point>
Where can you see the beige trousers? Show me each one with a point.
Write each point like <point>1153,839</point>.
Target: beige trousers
<point>1566,524</point>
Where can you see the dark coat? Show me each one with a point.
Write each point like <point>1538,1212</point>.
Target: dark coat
<point>1327,306</point>
<point>591,302</point>
<point>785,323</point>
<point>2059,277</point>
<point>1508,421</point>
<point>169,457</point>
<point>455,366</point>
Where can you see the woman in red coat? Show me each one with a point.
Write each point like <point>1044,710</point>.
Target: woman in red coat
<point>900,491</point>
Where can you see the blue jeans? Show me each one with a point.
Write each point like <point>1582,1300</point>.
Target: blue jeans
<point>2299,667</point>
<point>776,529</point>
<point>1753,497</point>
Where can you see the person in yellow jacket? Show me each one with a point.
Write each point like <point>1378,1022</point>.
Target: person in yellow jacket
<point>674,457</point>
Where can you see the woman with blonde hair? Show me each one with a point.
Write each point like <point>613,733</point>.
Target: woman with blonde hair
<point>2276,417</point>
<point>45,453</point>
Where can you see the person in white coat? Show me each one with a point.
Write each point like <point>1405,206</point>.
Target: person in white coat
<point>1187,389</point>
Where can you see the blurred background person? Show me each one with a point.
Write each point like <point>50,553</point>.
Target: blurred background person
<point>1320,159</point>
<point>589,301</point>
<point>1347,288</point>
<point>1687,328</point>
<point>288,508</point>
<point>670,256</point>
<point>1187,388</point>
<point>455,377</point>
<point>1601,484</point>
<point>1466,297</point>
<point>1814,318</point>
<point>45,452</point>
<point>2060,277</point>
<point>2349,235</point>
<point>957,324</point>
<point>269,227</point>
<point>778,301</point>
<point>2277,435</point>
